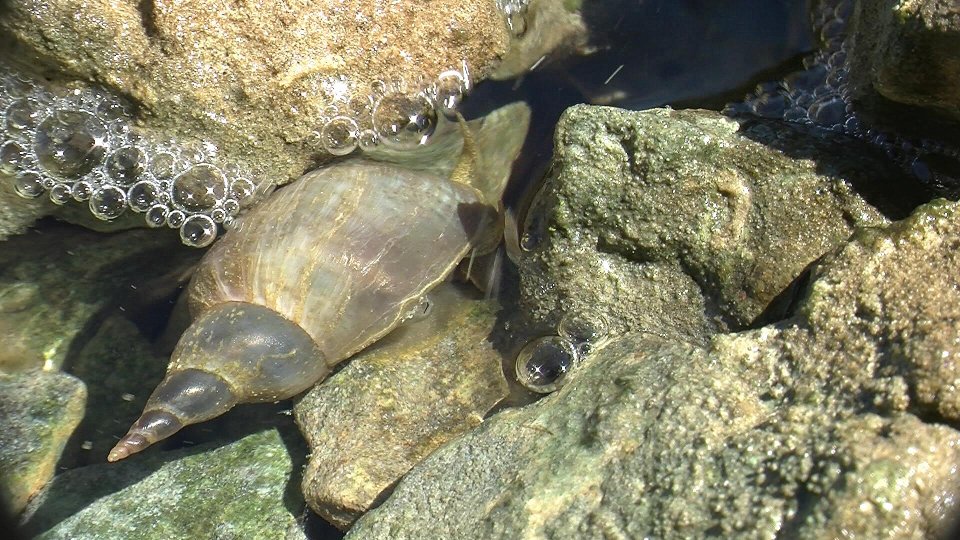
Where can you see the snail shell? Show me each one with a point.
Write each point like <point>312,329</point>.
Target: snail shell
<point>323,269</point>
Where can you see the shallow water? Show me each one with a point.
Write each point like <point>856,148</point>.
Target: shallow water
<point>693,53</point>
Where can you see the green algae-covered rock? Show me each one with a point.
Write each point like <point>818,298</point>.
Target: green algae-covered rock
<point>687,222</point>
<point>813,427</point>
<point>240,490</point>
<point>38,412</point>
<point>59,282</point>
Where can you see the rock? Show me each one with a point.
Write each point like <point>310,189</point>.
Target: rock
<point>16,214</point>
<point>879,320</point>
<point>120,370</point>
<point>906,52</point>
<point>241,490</point>
<point>652,438</point>
<point>57,284</point>
<point>687,223</point>
<point>259,80</point>
<point>38,413</point>
<point>395,403</point>
<point>541,28</point>
<point>811,427</point>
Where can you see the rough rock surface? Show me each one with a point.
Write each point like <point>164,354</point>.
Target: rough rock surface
<point>58,283</point>
<point>424,385</point>
<point>16,214</point>
<point>881,320</point>
<point>686,222</point>
<point>907,53</point>
<point>658,439</point>
<point>254,78</point>
<point>38,412</point>
<point>246,489</point>
<point>802,429</point>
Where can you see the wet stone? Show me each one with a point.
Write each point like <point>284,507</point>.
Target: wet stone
<point>237,490</point>
<point>426,383</point>
<point>713,220</point>
<point>38,413</point>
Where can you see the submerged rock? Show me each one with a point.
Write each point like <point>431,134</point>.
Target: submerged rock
<point>39,411</point>
<point>431,381</point>
<point>240,490</point>
<point>688,223</point>
<point>58,283</point>
<point>806,429</point>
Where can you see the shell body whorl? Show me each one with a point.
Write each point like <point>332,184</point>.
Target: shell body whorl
<point>345,251</point>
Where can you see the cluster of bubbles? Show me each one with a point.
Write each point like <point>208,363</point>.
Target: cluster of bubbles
<point>397,114</point>
<point>79,144</point>
<point>544,363</point>
<point>820,96</point>
<point>515,14</point>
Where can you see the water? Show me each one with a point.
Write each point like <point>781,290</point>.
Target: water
<point>694,53</point>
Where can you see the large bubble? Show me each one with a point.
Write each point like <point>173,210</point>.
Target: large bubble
<point>69,144</point>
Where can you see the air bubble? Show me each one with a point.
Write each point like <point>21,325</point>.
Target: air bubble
<point>156,216</point>
<point>11,154</point>
<point>108,202</point>
<point>82,191</point>
<point>60,194</point>
<point>339,136</point>
<point>69,144</point>
<point>404,120</point>
<point>828,111</point>
<point>542,364</point>
<point>175,219</point>
<point>126,164</point>
<point>198,231</point>
<point>218,215</point>
<point>242,190</point>
<point>583,328</point>
<point>142,196</point>
<point>28,185</point>
<point>21,117</point>
<point>163,165</point>
<point>231,207</point>
<point>199,188</point>
<point>449,92</point>
<point>368,139</point>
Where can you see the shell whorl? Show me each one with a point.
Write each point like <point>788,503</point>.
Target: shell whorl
<point>345,251</point>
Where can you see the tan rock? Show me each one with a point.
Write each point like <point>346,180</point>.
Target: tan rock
<point>394,404</point>
<point>255,78</point>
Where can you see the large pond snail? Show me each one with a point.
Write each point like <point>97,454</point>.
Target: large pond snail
<point>325,267</point>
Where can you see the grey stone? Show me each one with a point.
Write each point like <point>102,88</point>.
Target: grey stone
<point>427,383</point>
<point>811,427</point>
<point>246,489</point>
<point>39,411</point>
<point>659,439</point>
<point>686,223</point>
